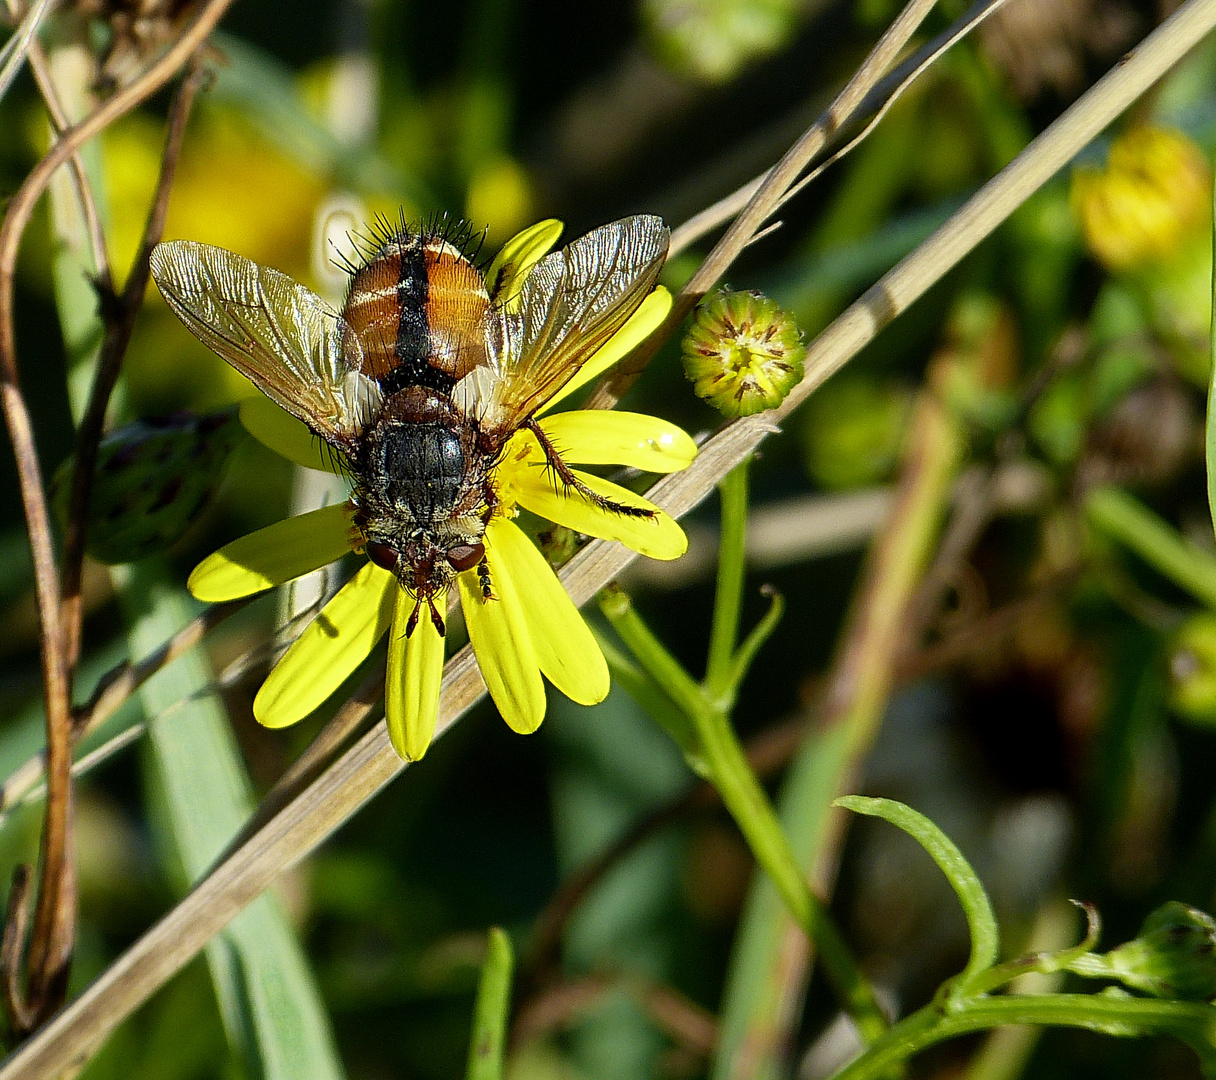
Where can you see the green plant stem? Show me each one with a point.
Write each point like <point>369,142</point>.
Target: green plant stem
<point>728,598</point>
<point>1194,1024</point>
<point>759,634</point>
<point>487,1041</point>
<point>1126,519</point>
<point>748,804</point>
<point>769,972</point>
<point>750,807</point>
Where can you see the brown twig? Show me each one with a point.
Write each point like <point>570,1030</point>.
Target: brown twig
<point>15,921</point>
<point>119,313</point>
<point>767,198</point>
<point>60,122</point>
<point>689,1025</point>
<point>54,920</point>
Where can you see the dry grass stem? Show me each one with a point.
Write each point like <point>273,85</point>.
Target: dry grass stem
<point>768,196</point>
<point>60,122</point>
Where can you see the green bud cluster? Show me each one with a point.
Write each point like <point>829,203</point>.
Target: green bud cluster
<point>1174,956</point>
<point>743,353</point>
<point>153,478</point>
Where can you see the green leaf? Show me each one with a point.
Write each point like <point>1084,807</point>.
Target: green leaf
<point>985,937</point>
<point>1126,519</point>
<point>268,999</point>
<point>492,1011</point>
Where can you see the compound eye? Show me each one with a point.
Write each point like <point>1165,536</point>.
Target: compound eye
<point>465,556</point>
<point>382,555</point>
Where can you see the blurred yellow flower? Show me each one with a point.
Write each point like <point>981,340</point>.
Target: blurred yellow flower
<point>1152,196</point>
<point>529,627</point>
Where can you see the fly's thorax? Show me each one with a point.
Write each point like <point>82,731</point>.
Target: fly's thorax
<point>424,496</point>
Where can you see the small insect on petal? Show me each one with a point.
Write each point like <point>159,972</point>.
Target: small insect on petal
<point>566,650</point>
<point>288,437</point>
<point>415,670</point>
<point>607,437</point>
<point>501,639</point>
<point>332,646</point>
<point>640,325</point>
<point>278,553</point>
<point>657,536</point>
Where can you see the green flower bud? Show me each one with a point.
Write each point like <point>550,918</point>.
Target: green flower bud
<point>743,353</point>
<point>1193,669</point>
<point>1174,956</point>
<point>153,477</point>
<point>713,40</point>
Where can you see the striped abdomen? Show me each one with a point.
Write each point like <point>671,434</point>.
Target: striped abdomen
<point>418,308</point>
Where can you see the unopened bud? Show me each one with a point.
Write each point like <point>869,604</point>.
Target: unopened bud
<point>153,477</point>
<point>1151,197</point>
<point>743,353</point>
<point>1193,669</point>
<point>1174,956</point>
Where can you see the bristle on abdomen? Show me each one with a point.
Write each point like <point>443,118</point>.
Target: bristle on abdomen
<point>418,307</point>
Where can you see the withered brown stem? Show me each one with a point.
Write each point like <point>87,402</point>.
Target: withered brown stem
<point>52,940</point>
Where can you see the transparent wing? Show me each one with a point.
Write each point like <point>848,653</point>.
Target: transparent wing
<point>272,330</point>
<point>572,302</point>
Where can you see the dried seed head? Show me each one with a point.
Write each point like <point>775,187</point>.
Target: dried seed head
<point>743,353</point>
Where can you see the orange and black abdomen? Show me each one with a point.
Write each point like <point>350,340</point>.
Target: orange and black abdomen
<point>418,308</point>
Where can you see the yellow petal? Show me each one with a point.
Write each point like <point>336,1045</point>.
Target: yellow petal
<point>285,435</point>
<point>658,537</point>
<point>505,654</point>
<point>604,437</point>
<point>566,650</point>
<point>640,325</point>
<point>336,642</point>
<point>415,670</point>
<point>518,255</point>
<point>273,555</point>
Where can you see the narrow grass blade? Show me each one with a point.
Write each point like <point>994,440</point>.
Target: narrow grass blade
<point>1209,435</point>
<point>269,1001</point>
<point>492,1011</point>
<point>1124,518</point>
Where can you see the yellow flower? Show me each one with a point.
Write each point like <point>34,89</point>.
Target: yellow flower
<point>528,627</point>
<point>1152,196</point>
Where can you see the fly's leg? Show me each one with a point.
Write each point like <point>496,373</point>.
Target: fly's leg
<point>483,579</point>
<point>565,477</point>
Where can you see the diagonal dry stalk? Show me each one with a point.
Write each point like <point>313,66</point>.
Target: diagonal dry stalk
<point>769,192</point>
<point>371,763</point>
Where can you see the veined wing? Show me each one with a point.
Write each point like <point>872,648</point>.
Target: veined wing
<point>272,330</point>
<point>572,302</point>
